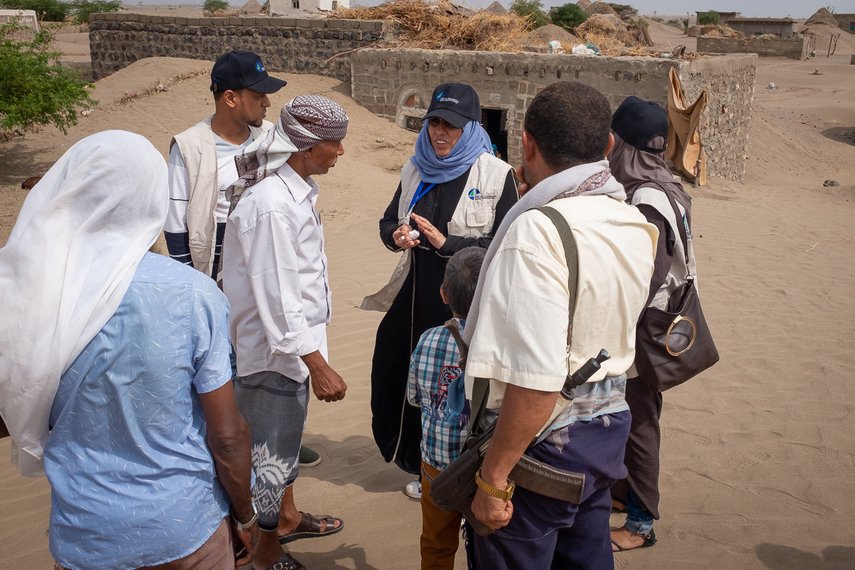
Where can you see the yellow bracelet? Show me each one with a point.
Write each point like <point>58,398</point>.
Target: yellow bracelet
<point>493,491</point>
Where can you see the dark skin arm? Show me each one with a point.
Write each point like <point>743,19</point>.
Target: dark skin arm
<point>230,444</point>
<point>524,411</point>
<point>326,383</point>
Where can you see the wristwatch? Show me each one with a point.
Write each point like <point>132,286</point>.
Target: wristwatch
<point>248,524</point>
<point>493,491</point>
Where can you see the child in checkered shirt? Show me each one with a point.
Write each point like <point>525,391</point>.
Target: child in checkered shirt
<point>436,386</point>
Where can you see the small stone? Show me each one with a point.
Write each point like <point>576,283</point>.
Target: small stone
<point>772,86</point>
<point>831,183</point>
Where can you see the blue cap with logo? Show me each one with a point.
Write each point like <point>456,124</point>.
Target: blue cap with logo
<point>457,103</point>
<point>242,70</point>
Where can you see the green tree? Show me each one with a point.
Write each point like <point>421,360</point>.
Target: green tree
<point>86,8</point>
<point>214,6</point>
<point>532,10</point>
<point>568,16</point>
<point>36,89</point>
<point>46,10</point>
<point>708,18</point>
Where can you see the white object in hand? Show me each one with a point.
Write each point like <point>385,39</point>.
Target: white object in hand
<point>414,234</point>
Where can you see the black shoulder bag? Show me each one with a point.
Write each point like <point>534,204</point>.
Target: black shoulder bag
<point>675,344</point>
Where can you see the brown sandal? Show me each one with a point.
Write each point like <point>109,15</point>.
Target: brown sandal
<point>310,527</point>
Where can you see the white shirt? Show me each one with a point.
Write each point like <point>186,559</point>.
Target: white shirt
<point>521,334</point>
<point>179,183</point>
<point>275,276</point>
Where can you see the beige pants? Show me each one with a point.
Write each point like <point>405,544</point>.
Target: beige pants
<point>216,554</point>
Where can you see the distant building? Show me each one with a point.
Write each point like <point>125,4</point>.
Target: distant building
<point>295,8</point>
<point>723,17</point>
<point>25,18</point>
<point>846,21</point>
<point>783,27</point>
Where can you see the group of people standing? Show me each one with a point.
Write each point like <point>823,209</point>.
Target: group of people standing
<point>168,412</point>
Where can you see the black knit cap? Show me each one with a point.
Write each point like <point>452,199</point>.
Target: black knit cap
<point>638,122</point>
<point>242,70</point>
<point>457,103</point>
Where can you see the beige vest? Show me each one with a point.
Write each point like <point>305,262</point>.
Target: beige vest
<point>471,218</point>
<point>196,145</point>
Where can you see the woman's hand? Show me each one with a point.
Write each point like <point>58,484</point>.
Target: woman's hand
<point>433,235</point>
<point>402,237</point>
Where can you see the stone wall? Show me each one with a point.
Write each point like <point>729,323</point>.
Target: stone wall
<point>285,44</point>
<point>398,84</point>
<point>729,83</point>
<point>793,48</point>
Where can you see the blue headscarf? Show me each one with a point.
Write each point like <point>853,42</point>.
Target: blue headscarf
<point>435,170</point>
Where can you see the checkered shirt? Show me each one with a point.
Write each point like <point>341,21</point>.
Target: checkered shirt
<point>434,365</point>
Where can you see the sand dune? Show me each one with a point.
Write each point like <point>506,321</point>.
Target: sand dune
<point>758,459</point>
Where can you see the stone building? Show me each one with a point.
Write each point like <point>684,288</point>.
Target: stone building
<point>846,21</point>
<point>397,83</point>
<point>781,27</point>
<point>297,8</point>
<point>723,17</point>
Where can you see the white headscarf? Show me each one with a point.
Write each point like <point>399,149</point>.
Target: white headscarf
<point>66,266</point>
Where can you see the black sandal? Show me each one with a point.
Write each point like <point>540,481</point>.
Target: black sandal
<point>649,540</point>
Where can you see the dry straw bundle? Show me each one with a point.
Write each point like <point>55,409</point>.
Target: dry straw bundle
<point>444,26</point>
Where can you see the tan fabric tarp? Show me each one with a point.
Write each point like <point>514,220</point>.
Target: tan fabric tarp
<point>685,149</point>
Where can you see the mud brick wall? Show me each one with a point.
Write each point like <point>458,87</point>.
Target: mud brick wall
<point>398,84</point>
<point>319,46</point>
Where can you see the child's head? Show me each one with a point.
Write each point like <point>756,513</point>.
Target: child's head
<point>461,277</point>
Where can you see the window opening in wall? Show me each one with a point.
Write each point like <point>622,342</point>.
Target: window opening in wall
<point>295,4</point>
<point>334,4</point>
<point>495,122</point>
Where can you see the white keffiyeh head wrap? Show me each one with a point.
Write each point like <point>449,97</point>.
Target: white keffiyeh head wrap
<point>65,268</point>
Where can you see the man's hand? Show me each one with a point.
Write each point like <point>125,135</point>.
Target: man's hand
<point>402,237</point>
<point>249,538</point>
<point>492,512</point>
<point>433,235</point>
<point>326,382</point>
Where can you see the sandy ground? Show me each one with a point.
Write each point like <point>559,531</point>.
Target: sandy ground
<point>758,463</point>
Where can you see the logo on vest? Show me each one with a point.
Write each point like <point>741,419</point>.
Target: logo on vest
<point>475,194</point>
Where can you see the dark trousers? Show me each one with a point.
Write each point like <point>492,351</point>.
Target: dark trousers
<point>548,534</point>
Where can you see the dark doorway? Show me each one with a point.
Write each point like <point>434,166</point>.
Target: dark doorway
<point>495,122</point>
